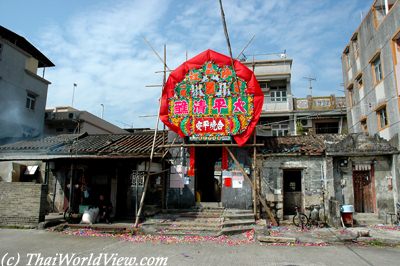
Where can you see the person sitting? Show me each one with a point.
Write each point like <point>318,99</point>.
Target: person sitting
<point>105,209</point>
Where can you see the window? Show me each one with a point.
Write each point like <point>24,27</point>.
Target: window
<point>380,11</point>
<point>350,95</point>
<point>327,128</point>
<point>359,81</point>
<point>346,57</point>
<point>355,44</point>
<point>280,129</point>
<point>30,101</point>
<point>263,85</point>
<point>278,94</point>
<point>364,126</point>
<point>382,117</point>
<point>377,69</point>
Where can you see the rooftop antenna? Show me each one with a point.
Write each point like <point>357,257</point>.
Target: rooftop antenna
<point>73,94</point>
<point>244,48</point>
<point>310,80</point>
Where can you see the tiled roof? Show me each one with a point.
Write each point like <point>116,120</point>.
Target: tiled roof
<point>137,143</point>
<point>360,144</point>
<point>39,145</point>
<point>88,144</point>
<point>128,145</point>
<point>298,145</point>
<point>330,144</point>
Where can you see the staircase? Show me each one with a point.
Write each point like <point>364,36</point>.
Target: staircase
<point>200,221</point>
<point>196,221</point>
<point>364,219</point>
<point>237,221</point>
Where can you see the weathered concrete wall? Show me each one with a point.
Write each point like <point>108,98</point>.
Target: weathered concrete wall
<point>314,178</point>
<point>372,39</point>
<point>383,177</point>
<point>10,171</point>
<point>6,169</point>
<point>239,198</point>
<point>56,193</point>
<point>180,197</point>
<point>17,121</point>
<point>22,203</point>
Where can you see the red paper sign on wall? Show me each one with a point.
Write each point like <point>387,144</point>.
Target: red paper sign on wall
<point>212,97</point>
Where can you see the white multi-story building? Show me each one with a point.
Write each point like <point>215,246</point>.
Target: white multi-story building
<point>68,120</point>
<point>23,91</point>
<point>282,113</point>
<point>371,72</point>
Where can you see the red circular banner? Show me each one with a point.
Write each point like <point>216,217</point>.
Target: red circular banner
<point>207,98</point>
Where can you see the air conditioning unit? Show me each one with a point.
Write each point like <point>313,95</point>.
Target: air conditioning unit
<point>72,116</point>
<point>306,122</point>
<point>48,115</point>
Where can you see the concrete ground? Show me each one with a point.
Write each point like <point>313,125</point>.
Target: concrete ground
<point>14,242</point>
<point>376,235</point>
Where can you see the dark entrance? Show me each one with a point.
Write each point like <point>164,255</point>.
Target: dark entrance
<point>363,195</point>
<point>206,185</point>
<point>292,192</point>
<point>327,128</point>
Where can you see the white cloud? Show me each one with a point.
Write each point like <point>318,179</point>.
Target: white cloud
<point>103,52</point>
<point>102,49</point>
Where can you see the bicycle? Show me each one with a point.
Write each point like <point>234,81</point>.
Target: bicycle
<point>71,216</point>
<point>301,219</point>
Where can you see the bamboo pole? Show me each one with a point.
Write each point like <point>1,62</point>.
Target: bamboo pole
<point>255,202</point>
<point>262,201</point>
<point>146,184</point>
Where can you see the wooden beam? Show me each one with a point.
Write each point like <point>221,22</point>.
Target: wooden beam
<point>262,201</point>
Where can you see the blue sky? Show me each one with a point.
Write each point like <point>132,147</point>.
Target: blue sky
<point>99,45</point>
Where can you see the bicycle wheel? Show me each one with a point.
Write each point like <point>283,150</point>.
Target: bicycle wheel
<point>300,219</point>
<point>67,214</point>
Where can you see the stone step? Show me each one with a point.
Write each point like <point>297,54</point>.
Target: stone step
<point>184,224</point>
<point>190,229</point>
<point>235,230</point>
<point>194,233</point>
<point>367,219</point>
<point>200,209</point>
<point>209,205</point>
<point>201,215</point>
<point>232,223</point>
<point>238,211</point>
<point>236,216</point>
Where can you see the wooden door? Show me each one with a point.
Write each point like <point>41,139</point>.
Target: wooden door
<point>363,191</point>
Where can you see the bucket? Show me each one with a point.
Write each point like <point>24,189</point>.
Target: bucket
<point>228,181</point>
<point>347,209</point>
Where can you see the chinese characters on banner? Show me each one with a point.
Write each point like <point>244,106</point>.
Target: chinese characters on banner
<point>209,98</point>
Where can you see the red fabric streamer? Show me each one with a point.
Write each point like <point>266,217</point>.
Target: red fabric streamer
<point>192,161</point>
<point>225,162</point>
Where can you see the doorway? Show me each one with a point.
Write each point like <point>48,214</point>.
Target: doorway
<point>292,191</point>
<point>363,191</point>
<point>208,173</point>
